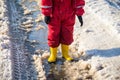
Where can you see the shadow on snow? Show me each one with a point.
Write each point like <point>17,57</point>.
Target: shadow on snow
<point>104,53</point>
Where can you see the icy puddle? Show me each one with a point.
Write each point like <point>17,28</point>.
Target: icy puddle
<point>39,37</point>
<point>63,70</point>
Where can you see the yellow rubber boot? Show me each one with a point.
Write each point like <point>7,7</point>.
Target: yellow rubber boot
<point>65,52</point>
<point>53,54</point>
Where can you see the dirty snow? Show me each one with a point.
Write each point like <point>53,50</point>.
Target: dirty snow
<point>96,45</point>
<point>5,53</point>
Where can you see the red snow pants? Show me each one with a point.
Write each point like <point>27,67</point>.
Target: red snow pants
<point>60,29</point>
<point>62,13</point>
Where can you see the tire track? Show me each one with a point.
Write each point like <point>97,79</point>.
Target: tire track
<point>21,22</point>
<point>19,58</point>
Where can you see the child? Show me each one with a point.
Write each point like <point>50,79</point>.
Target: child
<point>60,17</point>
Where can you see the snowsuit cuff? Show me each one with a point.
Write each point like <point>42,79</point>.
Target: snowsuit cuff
<point>46,12</point>
<point>79,11</point>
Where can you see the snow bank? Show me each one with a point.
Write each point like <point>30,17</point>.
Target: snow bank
<point>108,11</point>
<point>5,44</point>
<point>98,40</point>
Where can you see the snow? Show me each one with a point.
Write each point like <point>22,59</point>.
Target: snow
<point>5,54</point>
<point>96,44</point>
<point>108,11</point>
<point>99,39</point>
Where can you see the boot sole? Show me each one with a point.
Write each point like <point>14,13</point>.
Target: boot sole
<point>51,62</point>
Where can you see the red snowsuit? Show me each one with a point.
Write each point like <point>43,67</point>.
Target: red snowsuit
<point>62,13</point>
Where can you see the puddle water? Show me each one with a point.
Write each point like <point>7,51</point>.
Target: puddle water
<point>41,37</point>
<point>54,71</point>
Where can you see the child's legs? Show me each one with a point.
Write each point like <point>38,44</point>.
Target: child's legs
<point>66,34</point>
<point>53,33</point>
